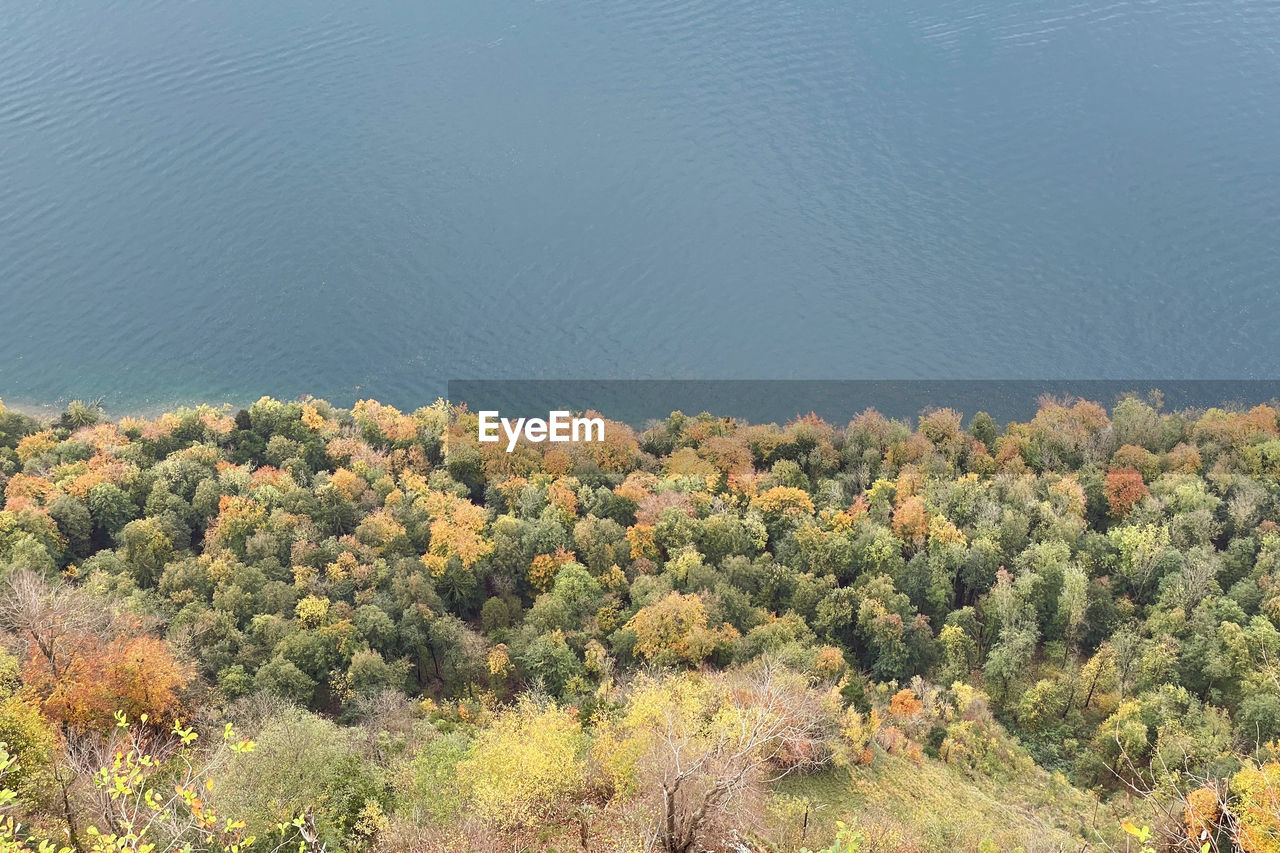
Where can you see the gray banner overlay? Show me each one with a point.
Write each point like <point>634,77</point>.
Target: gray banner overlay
<point>638,401</point>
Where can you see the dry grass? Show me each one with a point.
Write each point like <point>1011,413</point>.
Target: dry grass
<point>902,805</point>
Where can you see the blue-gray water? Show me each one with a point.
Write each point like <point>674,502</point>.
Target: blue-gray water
<point>342,197</point>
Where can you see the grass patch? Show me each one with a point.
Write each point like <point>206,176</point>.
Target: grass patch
<point>932,806</point>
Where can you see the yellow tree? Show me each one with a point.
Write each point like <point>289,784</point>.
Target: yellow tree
<point>674,631</point>
<point>456,526</point>
<point>1256,802</point>
<point>698,747</point>
<point>526,770</point>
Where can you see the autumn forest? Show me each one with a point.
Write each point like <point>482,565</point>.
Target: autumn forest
<point>296,627</point>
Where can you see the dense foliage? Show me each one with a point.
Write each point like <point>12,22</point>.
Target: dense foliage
<point>627,645</point>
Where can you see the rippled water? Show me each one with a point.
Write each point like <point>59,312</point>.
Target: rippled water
<point>223,199</point>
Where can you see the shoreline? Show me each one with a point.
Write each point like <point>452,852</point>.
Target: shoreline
<point>53,410</point>
<point>640,402</point>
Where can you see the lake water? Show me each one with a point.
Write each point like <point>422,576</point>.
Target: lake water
<point>218,200</point>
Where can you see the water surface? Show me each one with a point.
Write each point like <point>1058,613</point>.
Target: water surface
<point>217,200</point>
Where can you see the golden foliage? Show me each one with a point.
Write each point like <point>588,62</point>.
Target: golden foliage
<point>35,444</point>
<point>1202,812</point>
<point>1256,792</point>
<point>1237,428</point>
<point>24,490</point>
<point>642,543</point>
<point>674,631</point>
<point>527,767</point>
<point>637,486</point>
<point>543,569</point>
<point>829,663</point>
<point>905,704</point>
<point>350,484</point>
<point>92,679</point>
<point>312,610</point>
<point>1069,495</point>
<point>1184,458</point>
<point>312,419</point>
<point>784,501</point>
<point>387,420</point>
<point>859,732</point>
<point>379,529</point>
<point>499,661</point>
<point>237,518</point>
<point>944,532</point>
<point>911,520</point>
<point>455,532</point>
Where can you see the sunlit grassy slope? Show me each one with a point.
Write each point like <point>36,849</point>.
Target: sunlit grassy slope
<point>901,805</point>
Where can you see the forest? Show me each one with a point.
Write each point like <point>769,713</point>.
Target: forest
<point>297,627</point>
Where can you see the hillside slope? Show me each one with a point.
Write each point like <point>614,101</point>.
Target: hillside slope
<point>898,803</point>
